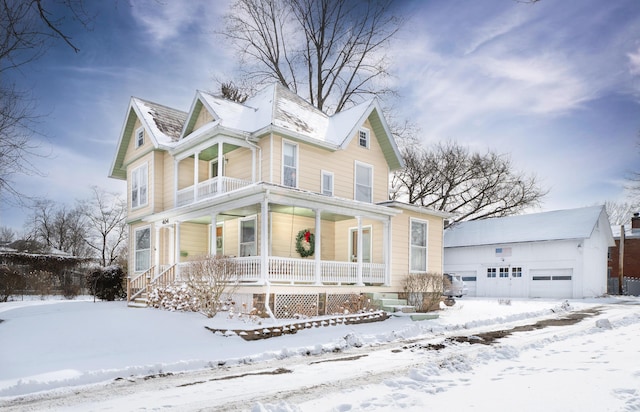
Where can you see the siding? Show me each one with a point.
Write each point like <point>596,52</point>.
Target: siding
<point>312,160</point>
<point>203,117</point>
<point>400,226</point>
<point>194,239</point>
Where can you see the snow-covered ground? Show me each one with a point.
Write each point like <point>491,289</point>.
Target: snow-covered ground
<point>81,355</point>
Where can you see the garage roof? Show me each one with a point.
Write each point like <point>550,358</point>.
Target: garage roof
<point>555,225</point>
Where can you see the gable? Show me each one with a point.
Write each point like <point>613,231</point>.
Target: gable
<point>162,126</point>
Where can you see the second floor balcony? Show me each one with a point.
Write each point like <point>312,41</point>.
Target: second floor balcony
<point>208,189</point>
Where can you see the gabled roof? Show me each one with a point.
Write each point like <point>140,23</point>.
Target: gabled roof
<point>278,107</point>
<point>162,124</point>
<point>274,108</point>
<point>556,225</point>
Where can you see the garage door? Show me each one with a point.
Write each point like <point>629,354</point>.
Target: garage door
<point>551,283</point>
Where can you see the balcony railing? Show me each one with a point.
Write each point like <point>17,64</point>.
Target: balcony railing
<point>208,189</point>
<point>303,271</point>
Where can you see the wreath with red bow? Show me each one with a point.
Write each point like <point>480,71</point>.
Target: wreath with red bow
<point>305,243</point>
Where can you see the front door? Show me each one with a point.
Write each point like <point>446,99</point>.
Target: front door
<point>366,244</point>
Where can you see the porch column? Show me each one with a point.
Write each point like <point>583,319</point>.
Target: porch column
<point>359,281</point>
<point>220,160</point>
<point>213,248</point>
<point>156,250</point>
<point>196,166</point>
<point>386,251</point>
<point>317,246</point>
<point>264,240</point>
<point>176,179</point>
<point>177,249</point>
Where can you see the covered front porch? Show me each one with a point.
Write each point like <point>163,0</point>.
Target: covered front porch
<point>260,228</point>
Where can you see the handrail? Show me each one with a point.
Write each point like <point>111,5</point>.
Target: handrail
<point>165,277</point>
<point>138,284</point>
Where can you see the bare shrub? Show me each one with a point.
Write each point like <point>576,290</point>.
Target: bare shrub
<point>424,290</point>
<point>41,282</point>
<point>10,282</point>
<point>209,279</point>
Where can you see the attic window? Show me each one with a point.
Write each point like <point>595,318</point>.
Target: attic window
<point>363,138</point>
<point>139,137</point>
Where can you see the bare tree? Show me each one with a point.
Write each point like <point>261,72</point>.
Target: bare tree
<point>620,213</point>
<point>27,29</point>
<point>451,178</point>
<point>7,235</point>
<point>330,51</point>
<point>59,226</point>
<point>106,229</point>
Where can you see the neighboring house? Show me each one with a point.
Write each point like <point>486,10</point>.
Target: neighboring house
<point>559,254</point>
<point>250,180</point>
<point>631,261</point>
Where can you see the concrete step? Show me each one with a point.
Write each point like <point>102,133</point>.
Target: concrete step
<point>384,295</point>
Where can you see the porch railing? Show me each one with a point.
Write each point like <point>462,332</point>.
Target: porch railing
<point>303,271</point>
<point>166,276</point>
<point>208,189</point>
<point>137,285</point>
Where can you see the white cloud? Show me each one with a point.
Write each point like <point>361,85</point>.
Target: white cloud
<point>634,62</point>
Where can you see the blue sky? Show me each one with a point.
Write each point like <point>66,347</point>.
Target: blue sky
<point>556,85</point>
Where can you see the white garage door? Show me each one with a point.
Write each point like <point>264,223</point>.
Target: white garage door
<point>551,283</point>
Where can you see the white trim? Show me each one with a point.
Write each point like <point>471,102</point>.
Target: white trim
<point>364,228</point>
<point>296,165</point>
<point>135,173</point>
<point>426,245</point>
<point>135,249</point>
<point>355,180</point>
<point>255,234</point>
<point>324,173</point>
<point>367,132</point>
<point>137,143</point>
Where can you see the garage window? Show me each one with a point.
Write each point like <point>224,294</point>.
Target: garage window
<point>504,272</point>
<point>491,272</point>
<point>516,272</point>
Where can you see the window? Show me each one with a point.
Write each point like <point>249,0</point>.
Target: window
<point>139,181</point>
<point>139,137</point>
<point>504,272</point>
<point>491,272</point>
<point>366,244</point>
<point>364,182</point>
<point>418,250</point>
<point>248,237</point>
<point>363,138</point>
<point>327,183</point>
<point>213,168</point>
<point>289,164</point>
<point>142,249</point>
<point>516,272</point>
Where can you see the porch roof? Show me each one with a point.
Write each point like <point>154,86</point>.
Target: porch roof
<point>246,201</point>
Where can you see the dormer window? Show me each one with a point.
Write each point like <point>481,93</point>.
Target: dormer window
<point>139,137</point>
<point>363,138</point>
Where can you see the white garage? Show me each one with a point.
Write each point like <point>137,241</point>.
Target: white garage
<point>559,254</point>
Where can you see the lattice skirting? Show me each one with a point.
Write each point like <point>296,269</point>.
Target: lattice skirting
<point>289,306</point>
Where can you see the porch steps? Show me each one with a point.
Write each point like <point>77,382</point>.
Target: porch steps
<point>389,302</point>
<point>139,302</point>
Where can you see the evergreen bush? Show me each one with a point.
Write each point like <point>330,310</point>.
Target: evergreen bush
<point>106,283</point>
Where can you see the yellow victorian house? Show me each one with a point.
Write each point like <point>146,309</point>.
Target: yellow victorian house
<point>298,198</point>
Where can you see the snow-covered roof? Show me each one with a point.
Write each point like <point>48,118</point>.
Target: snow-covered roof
<point>164,123</point>
<point>274,107</point>
<point>555,225</point>
<point>629,232</point>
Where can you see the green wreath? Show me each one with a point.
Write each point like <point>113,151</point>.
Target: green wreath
<point>305,243</point>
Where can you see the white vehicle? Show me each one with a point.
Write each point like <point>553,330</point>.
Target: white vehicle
<point>454,285</point>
